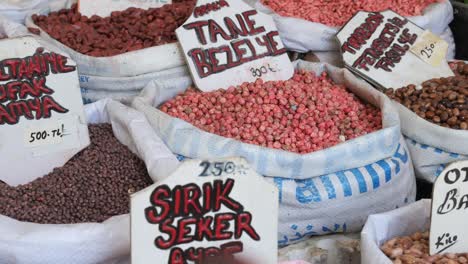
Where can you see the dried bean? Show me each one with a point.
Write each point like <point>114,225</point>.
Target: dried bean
<point>121,32</point>
<point>304,114</point>
<point>419,251</point>
<point>338,12</point>
<point>440,101</point>
<point>91,187</point>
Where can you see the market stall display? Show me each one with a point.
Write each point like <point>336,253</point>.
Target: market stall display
<point>312,25</point>
<point>434,120</point>
<point>116,55</point>
<point>77,209</point>
<point>326,191</point>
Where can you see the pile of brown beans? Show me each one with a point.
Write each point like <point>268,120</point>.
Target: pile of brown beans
<point>91,187</point>
<point>415,249</point>
<point>442,101</point>
<point>121,32</point>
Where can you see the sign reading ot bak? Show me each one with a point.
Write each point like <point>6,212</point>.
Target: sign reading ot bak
<point>390,51</point>
<point>449,233</point>
<point>207,211</point>
<point>228,40</point>
<point>42,122</point>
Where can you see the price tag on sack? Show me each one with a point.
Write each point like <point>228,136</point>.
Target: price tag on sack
<point>104,8</point>
<point>389,51</point>
<point>448,233</point>
<point>42,121</point>
<point>430,48</point>
<point>207,211</point>
<point>229,40</point>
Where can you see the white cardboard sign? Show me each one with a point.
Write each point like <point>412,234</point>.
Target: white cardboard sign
<point>228,40</point>
<point>450,211</point>
<point>42,122</point>
<point>204,211</point>
<point>104,8</point>
<point>390,51</point>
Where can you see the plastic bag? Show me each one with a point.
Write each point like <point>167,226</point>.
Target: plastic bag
<point>327,191</point>
<point>89,243</point>
<point>17,10</point>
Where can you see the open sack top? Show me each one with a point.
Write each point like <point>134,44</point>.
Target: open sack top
<point>187,140</point>
<point>128,64</point>
<point>105,242</point>
<point>302,35</point>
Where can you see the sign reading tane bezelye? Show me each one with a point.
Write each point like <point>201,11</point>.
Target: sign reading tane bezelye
<point>230,41</point>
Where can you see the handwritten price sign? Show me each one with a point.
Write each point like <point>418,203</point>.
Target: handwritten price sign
<point>450,211</point>
<point>430,48</point>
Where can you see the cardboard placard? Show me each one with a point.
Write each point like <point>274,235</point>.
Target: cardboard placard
<point>42,121</point>
<point>104,8</point>
<point>204,211</point>
<point>449,215</point>
<point>228,40</point>
<point>387,50</point>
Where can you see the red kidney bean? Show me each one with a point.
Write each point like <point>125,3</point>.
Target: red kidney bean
<point>121,32</point>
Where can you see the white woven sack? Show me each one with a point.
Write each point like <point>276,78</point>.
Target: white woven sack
<point>17,10</point>
<point>129,64</point>
<point>431,146</point>
<point>301,35</point>
<point>380,228</point>
<point>95,88</point>
<point>89,243</point>
<point>327,191</point>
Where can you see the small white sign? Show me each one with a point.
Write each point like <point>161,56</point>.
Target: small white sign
<point>42,121</point>
<point>228,40</point>
<point>206,210</point>
<point>104,8</point>
<point>390,51</point>
<point>449,215</point>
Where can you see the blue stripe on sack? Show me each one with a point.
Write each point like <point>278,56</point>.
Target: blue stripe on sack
<point>438,150</point>
<point>360,179</point>
<point>454,155</point>
<point>344,183</point>
<point>424,146</point>
<point>279,184</point>
<point>374,176</point>
<point>328,186</point>
<point>397,166</point>
<point>313,194</point>
<point>387,169</point>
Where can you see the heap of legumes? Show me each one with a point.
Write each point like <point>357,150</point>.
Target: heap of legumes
<point>337,13</point>
<point>91,187</point>
<point>442,101</point>
<point>304,114</point>
<point>123,31</point>
<point>415,249</point>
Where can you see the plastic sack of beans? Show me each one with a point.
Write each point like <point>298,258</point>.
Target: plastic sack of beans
<point>330,190</point>
<point>113,63</point>
<point>94,226</point>
<point>17,10</point>
<point>381,228</point>
<point>312,25</point>
<point>434,121</point>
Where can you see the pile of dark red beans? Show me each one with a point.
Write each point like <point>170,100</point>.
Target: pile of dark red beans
<point>91,187</point>
<point>121,32</point>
